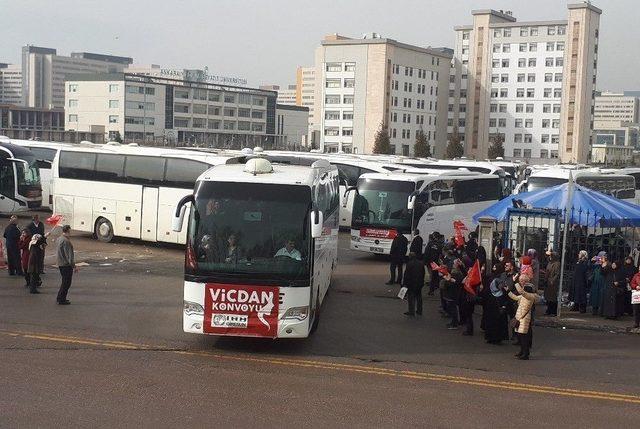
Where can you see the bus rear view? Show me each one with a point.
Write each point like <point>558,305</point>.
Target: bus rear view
<point>261,248</point>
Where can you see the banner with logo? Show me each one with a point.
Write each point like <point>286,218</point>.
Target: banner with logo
<point>378,233</point>
<point>248,311</point>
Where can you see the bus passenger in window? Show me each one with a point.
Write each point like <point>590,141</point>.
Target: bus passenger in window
<point>232,252</point>
<point>289,250</point>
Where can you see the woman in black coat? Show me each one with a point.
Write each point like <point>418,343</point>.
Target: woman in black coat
<point>609,300</point>
<point>494,313</point>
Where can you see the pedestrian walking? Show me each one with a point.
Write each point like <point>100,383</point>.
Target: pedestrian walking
<point>553,283</point>
<point>37,227</point>
<point>629,271</point>
<point>416,244</point>
<point>398,254</point>
<point>23,244</point>
<point>12,242</point>
<point>450,286</point>
<point>66,263</point>
<point>414,281</point>
<point>432,254</point>
<point>522,322</point>
<point>36,249</point>
<point>610,293</point>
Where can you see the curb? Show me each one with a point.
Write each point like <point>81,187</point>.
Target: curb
<point>552,322</point>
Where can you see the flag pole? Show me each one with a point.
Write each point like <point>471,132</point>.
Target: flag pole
<point>564,240</point>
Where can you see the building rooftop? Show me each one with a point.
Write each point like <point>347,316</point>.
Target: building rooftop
<point>376,39</point>
<point>292,107</point>
<point>103,57</point>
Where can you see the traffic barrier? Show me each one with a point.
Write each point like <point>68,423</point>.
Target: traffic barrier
<point>3,264</point>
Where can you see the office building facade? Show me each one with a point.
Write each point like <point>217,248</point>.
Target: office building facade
<point>530,84</point>
<point>614,109</point>
<point>364,84</point>
<point>10,84</point>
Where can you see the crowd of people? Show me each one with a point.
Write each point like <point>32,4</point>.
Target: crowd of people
<point>510,288</point>
<point>25,248</point>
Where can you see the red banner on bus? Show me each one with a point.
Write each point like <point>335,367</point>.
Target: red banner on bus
<point>249,311</point>
<point>378,233</point>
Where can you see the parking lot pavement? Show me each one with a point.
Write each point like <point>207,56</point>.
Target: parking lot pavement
<point>117,355</point>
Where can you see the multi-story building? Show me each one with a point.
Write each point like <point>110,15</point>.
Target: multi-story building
<point>285,95</point>
<point>364,84</point>
<point>44,71</point>
<point>614,109</point>
<point>292,125</point>
<point>170,111</point>
<point>530,83</point>
<point>305,96</point>
<point>10,84</point>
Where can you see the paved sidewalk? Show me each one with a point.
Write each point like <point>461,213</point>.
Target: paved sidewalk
<point>586,321</point>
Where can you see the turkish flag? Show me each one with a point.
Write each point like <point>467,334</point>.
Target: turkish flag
<point>439,268</point>
<point>54,220</point>
<point>474,278</point>
<point>459,227</point>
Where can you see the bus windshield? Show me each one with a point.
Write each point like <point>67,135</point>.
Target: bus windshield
<point>537,183</point>
<point>383,203</point>
<point>251,230</point>
<point>28,178</point>
<point>622,187</point>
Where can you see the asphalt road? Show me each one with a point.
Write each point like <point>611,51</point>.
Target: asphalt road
<point>117,357</point>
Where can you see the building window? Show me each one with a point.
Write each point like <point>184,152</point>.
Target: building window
<point>504,78</point>
<point>518,123</point>
<point>517,138</point>
<point>492,123</point>
<point>531,77</point>
<point>555,139</point>
<point>504,92</point>
<point>522,47</point>
<point>544,138</point>
<point>528,138</point>
<point>73,103</point>
<point>496,47</point>
<point>347,99</point>
<point>546,108</point>
<point>229,112</point>
<point>113,104</point>
<point>493,108</point>
<point>517,153</point>
<point>556,123</point>
<point>557,92</point>
<point>347,115</point>
<point>113,87</point>
<point>556,108</point>
<point>558,77</point>
<point>551,30</point>
<point>520,77</point>
<point>519,108</point>
<point>242,99</point>
<point>330,115</point>
<point>522,62</point>
<point>548,62</point>
<point>244,113</point>
<point>531,93</point>
<point>496,33</point>
<point>528,123</point>
<point>229,125</point>
<point>257,114</point>
<point>113,119</point>
<point>495,64</point>
<point>502,108</point>
<point>559,62</point>
<point>495,78</point>
<point>505,63</point>
<point>257,127</point>
<point>215,111</point>
<point>73,87</point>
<point>229,98</point>
<point>333,67</point>
<point>527,153</point>
<point>546,123</point>
<point>533,31</point>
<point>73,118</point>
<point>244,126</point>
<point>332,83</point>
<point>529,108</point>
<point>524,31</point>
<point>502,122</point>
<point>506,32</point>
<point>560,46</point>
<point>214,96</point>
<point>347,131</point>
<point>562,29</point>
<point>465,35</point>
<point>350,67</point>
<point>506,47</point>
<point>332,99</point>
<point>200,109</point>
<point>548,77</point>
<point>554,154</point>
<point>520,93</point>
<point>349,83</point>
<point>532,62</point>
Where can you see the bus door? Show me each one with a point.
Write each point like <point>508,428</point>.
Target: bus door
<point>149,213</point>
<point>7,187</point>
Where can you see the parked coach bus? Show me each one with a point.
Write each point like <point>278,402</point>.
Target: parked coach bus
<point>125,191</point>
<point>262,245</point>
<point>20,188</point>
<point>397,203</point>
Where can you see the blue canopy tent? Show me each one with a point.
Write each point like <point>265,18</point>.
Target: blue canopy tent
<point>587,207</point>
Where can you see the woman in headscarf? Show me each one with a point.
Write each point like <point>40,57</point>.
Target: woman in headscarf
<point>579,289</point>
<point>597,284</point>
<point>535,266</point>
<point>36,254</point>
<point>553,282</point>
<point>609,297</point>
<point>629,270</point>
<point>494,313</point>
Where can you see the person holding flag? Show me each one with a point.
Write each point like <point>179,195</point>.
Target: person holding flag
<point>468,298</point>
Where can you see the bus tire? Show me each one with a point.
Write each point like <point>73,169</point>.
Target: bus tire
<point>316,319</point>
<point>103,230</point>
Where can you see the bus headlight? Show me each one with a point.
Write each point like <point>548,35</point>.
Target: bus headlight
<point>355,238</point>
<point>297,313</point>
<point>191,308</point>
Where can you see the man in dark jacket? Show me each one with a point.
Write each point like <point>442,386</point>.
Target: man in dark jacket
<point>416,244</point>
<point>432,254</point>
<point>413,281</point>
<point>37,227</point>
<point>398,254</point>
<point>12,237</point>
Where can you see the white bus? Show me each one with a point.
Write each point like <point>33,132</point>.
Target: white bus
<point>397,203</point>
<point>262,246</point>
<point>45,152</point>
<point>20,187</point>
<point>124,190</point>
<point>622,186</point>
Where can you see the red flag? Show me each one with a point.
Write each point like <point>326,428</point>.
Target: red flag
<point>54,220</point>
<point>459,227</point>
<point>439,268</point>
<point>474,278</point>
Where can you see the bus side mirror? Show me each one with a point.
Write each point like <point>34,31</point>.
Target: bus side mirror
<point>346,195</point>
<point>178,216</point>
<point>411,201</point>
<point>317,220</point>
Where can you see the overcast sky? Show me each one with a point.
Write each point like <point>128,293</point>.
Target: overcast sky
<point>265,40</point>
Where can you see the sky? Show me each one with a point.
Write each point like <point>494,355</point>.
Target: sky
<point>264,41</point>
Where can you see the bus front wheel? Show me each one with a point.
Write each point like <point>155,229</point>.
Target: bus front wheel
<point>316,319</point>
<point>103,230</point>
